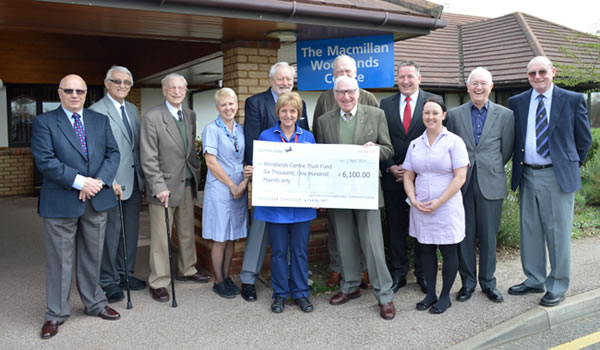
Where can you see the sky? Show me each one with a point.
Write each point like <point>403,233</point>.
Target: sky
<point>582,15</point>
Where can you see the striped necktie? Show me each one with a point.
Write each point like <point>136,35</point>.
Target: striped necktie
<point>541,129</point>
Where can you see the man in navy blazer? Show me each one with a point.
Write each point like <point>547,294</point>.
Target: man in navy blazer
<point>76,153</point>
<point>552,139</point>
<point>260,115</point>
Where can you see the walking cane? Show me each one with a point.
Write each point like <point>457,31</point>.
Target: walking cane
<point>174,304</point>
<point>126,265</point>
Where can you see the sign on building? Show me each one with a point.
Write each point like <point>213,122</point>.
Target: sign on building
<point>374,57</point>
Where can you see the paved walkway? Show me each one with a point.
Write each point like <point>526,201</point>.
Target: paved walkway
<point>204,320</point>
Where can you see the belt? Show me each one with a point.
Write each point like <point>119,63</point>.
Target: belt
<point>538,167</point>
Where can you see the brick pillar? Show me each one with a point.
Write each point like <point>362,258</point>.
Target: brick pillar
<point>135,97</point>
<point>246,71</point>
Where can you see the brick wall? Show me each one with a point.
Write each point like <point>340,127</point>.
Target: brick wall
<point>16,171</point>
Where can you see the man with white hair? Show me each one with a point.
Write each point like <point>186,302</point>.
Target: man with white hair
<point>172,170</point>
<point>356,229</point>
<point>260,115</point>
<point>488,132</point>
<point>552,139</point>
<point>342,65</point>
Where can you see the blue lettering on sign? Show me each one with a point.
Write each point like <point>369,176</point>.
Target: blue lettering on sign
<point>374,57</point>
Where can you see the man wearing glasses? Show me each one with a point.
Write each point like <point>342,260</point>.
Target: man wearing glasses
<point>488,132</point>
<point>128,185</point>
<point>76,153</point>
<point>172,171</point>
<point>552,139</point>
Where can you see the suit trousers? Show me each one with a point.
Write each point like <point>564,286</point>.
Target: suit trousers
<point>546,221</point>
<point>482,221</point>
<point>361,229</point>
<point>289,279</point>
<point>183,218</point>
<point>334,256</point>
<point>255,250</point>
<point>67,239</point>
<point>397,216</point>
<point>113,261</point>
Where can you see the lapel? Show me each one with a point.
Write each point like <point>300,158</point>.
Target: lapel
<point>418,113</point>
<point>134,120</point>
<point>64,125</point>
<point>115,116</point>
<point>171,127</point>
<point>557,105</point>
<point>467,124</point>
<point>90,124</point>
<point>361,119</point>
<point>490,120</point>
<point>188,130</point>
<point>395,114</point>
<point>270,105</point>
<point>523,108</point>
<point>333,126</point>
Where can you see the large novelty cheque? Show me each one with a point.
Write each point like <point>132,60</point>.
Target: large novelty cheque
<point>315,175</point>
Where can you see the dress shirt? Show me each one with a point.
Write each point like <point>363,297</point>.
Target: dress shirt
<point>413,104</point>
<point>275,96</point>
<point>478,117</point>
<point>118,107</point>
<point>173,110</point>
<point>531,155</point>
<point>352,113</point>
<point>79,180</point>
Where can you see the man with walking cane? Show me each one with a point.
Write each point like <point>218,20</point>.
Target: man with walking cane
<point>172,171</point>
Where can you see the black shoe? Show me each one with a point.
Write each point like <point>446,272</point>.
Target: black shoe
<point>229,283</point>
<point>439,309</point>
<point>421,282</point>
<point>113,293</point>
<point>222,290</point>
<point>551,299</point>
<point>522,289</point>
<point>424,304</point>
<point>278,305</point>
<point>248,292</point>
<point>494,295</point>
<point>134,283</point>
<point>398,282</point>
<point>304,304</point>
<point>465,294</point>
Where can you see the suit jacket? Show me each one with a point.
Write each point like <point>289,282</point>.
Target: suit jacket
<point>163,157</point>
<point>129,149</point>
<point>327,102</point>
<point>370,126</point>
<point>494,149</point>
<point>400,139</point>
<point>570,136</point>
<point>59,157</point>
<point>260,115</point>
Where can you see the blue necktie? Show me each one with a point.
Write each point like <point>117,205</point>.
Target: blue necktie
<point>541,129</point>
<point>80,131</point>
<point>126,122</point>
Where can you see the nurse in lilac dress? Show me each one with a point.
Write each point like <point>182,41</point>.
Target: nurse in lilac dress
<point>435,170</point>
<point>225,209</point>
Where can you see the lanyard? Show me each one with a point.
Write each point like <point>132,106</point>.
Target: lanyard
<point>284,141</point>
<point>233,139</point>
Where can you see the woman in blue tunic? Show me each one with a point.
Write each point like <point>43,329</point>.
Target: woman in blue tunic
<point>225,208</point>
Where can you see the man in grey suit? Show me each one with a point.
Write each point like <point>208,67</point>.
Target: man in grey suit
<point>342,65</point>
<point>552,139</point>
<point>405,121</point>
<point>127,185</point>
<point>172,171</point>
<point>488,132</point>
<point>353,123</point>
<point>76,153</point>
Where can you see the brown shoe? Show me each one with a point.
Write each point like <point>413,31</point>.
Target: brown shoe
<point>387,311</point>
<point>160,294</point>
<point>341,298</point>
<point>197,277</point>
<point>364,281</point>
<point>50,329</point>
<point>334,279</point>
<point>110,314</point>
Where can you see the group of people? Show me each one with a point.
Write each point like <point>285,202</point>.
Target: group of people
<point>442,182</point>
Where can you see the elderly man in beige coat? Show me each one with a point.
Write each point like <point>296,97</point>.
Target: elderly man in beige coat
<point>172,171</point>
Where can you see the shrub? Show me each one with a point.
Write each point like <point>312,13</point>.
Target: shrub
<point>510,229</point>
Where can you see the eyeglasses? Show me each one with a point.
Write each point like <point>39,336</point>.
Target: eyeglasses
<point>70,91</point>
<point>479,83</point>
<point>175,88</point>
<point>344,92</point>
<point>541,72</point>
<point>119,82</point>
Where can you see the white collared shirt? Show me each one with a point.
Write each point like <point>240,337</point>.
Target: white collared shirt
<point>531,155</point>
<point>173,110</point>
<point>118,106</point>
<point>352,113</point>
<point>413,104</point>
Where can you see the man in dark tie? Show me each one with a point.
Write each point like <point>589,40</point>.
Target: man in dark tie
<point>552,139</point>
<point>172,170</point>
<point>260,115</point>
<point>342,65</point>
<point>128,185</point>
<point>404,114</point>
<point>488,132</point>
<point>76,153</point>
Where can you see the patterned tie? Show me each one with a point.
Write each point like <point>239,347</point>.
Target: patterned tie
<point>541,129</point>
<point>180,115</point>
<point>126,122</point>
<point>406,116</point>
<point>347,116</point>
<point>80,131</point>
